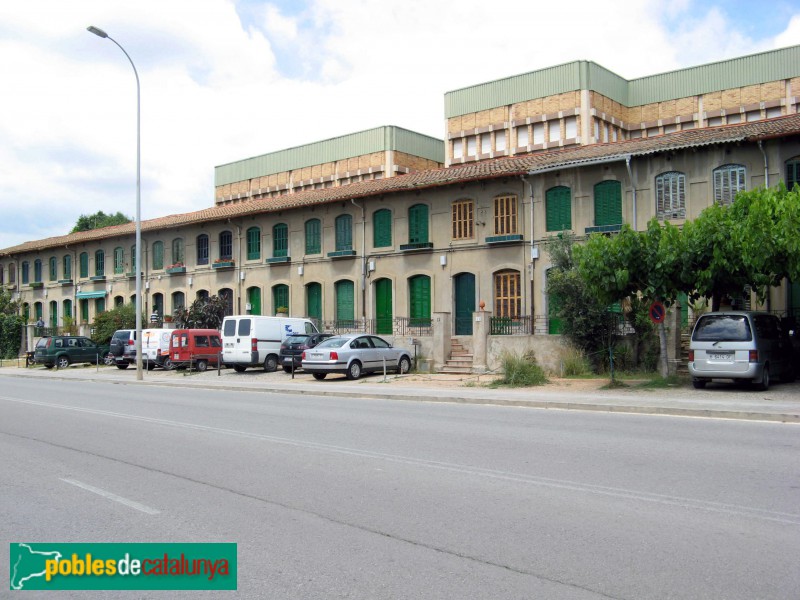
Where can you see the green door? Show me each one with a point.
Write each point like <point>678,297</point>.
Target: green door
<point>465,302</point>
<point>553,319</point>
<point>314,301</point>
<point>383,307</point>
<point>419,293</point>
<point>53,314</point>
<point>254,300</point>
<point>345,303</point>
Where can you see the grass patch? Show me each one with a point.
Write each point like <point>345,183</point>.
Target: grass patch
<point>659,383</point>
<point>519,371</point>
<point>574,363</point>
<point>614,384</point>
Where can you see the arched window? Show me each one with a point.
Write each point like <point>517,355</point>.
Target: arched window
<point>418,224</point>
<point>202,249</point>
<point>507,294</point>
<point>99,263</point>
<point>66,309</point>
<point>2,275</point>
<point>158,304</point>
<point>314,301</point>
<point>671,195</point>
<point>227,295</point>
<point>118,301</point>
<point>178,256</point>
<point>67,266</point>
<point>226,245</point>
<point>178,301</point>
<point>37,270</point>
<point>53,268</point>
<point>558,208</point>
<point>280,240</point>
<point>12,273</point>
<point>792,172</point>
<point>158,256</point>
<point>25,274</point>
<point>202,295</point>
<point>344,233</point>
<point>254,243</point>
<point>313,236</point>
<point>382,228</point>
<point>119,260</point>
<point>729,180</point>
<point>280,297</point>
<point>133,259</point>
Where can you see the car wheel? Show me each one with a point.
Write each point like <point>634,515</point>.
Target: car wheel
<point>167,365</point>
<point>354,370</point>
<point>239,368</point>
<point>270,363</point>
<point>764,383</point>
<point>62,362</point>
<point>404,366</point>
<point>319,376</point>
<point>122,365</point>
<point>287,369</point>
<point>108,359</point>
<point>699,384</point>
<point>201,365</point>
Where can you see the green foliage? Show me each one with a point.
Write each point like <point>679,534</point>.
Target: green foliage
<point>520,371</point>
<point>106,323</point>
<point>99,220</point>
<point>7,305</point>
<point>10,335</point>
<point>201,314</point>
<point>574,363</point>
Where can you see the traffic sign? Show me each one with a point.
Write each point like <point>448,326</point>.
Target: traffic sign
<point>657,312</point>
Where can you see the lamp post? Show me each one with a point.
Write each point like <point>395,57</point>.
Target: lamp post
<point>138,258</point>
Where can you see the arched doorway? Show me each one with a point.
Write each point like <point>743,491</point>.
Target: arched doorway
<point>464,293</point>
<point>384,319</point>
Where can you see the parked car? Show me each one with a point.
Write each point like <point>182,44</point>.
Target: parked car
<point>196,348</point>
<point>255,340</point>
<point>291,356</point>
<point>122,347</point>
<point>353,355</point>
<point>740,345</point>
<point>64,350</point>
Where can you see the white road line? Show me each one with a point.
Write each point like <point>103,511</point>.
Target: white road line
<point>108,495</point>
<point>614,492</point>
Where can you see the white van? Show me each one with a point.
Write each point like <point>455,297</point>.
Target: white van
<point>155,348</point>
<point>255,341</point>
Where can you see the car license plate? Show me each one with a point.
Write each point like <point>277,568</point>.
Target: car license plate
<point>719,355</point>
<point>316,355</point>
<point>229,344</point>
<point>176,356</point>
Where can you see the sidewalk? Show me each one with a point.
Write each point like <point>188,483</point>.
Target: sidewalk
<point>780,403</point>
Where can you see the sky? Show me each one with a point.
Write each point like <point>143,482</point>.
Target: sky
<point>224,80</point>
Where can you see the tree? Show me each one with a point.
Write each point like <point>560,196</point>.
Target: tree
<point>649,263</point>
<point>203,313</point>
<point>99,220</point>
<point>106,323</point>
<point>10,326</point>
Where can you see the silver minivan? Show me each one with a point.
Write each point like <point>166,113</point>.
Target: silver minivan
<point>740,345</point>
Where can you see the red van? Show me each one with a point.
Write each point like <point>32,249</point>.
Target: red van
<point>196,348</point>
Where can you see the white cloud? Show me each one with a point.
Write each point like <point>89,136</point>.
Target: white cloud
<point>224,80</point>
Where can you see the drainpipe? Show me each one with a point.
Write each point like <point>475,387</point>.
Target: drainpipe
<point>766,164</point>
<point>363,260</point>
<point>633,188</point>
<point>530,187</point>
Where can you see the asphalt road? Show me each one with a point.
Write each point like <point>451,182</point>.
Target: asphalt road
<point>364,498</point>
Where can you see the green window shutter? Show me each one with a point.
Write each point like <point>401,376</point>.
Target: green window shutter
<point>280,297</point>
<point>792,173</point>
<point>67,266</point>
<point>119,261</point>
<point>158,255</point>
<point>314,301</point>
<point>253,243</point>
<point>382,228</point>
<point>313,237</point>
<point>280,240</point>
<point>99,262</point>
<point>558,207</point>
<point>85,311</point>
<point>419,293</point>
<point>418,224</point>
<point>608,203</point>
<point>53,268</point>
<point>344,233</point>
<point>178,257</point>
<point>345,301</point>
<point>67,307</point>
<point>84,260</point>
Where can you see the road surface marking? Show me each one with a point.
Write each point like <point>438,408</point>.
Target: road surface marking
<point>108,495</point>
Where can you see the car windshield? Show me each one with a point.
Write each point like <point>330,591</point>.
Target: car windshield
<point>297,339</point>
<point>334,342</point>
<point>722,328</point>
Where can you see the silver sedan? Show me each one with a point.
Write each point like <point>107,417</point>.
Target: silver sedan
<point>354,354</point>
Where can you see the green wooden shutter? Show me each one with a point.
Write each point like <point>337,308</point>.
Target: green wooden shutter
<point>313,237</point>
<point>345,301</point>
<point>280,297</point>
<point>344,233</point>
<point>419,292</point>
<point>383,307</point>
<point>280,240</point>
<point>158,255</point>
<point>84,259</point>
<point>254,300</point>
<point>67,266</point>
<point>382,228</point>
<point>314,301</point>
<point>253,243</point>
<point>608,203</point>
<point>418,224</point>
<point>53,268</point>
<point>558,203</point>
<point>792,173</point>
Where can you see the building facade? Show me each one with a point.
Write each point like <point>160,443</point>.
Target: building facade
<point>414,247</point>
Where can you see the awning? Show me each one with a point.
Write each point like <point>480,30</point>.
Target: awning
<point>87,295</point>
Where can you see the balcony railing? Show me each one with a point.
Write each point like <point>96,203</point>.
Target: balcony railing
<point>520,325</point>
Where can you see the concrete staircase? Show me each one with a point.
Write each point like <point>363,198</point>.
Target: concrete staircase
<point>460,361</point>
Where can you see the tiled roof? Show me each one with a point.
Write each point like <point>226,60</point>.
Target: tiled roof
<point>488,169</point>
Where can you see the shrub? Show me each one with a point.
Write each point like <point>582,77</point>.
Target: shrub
<point>520,371</point>
<point>574,363</point>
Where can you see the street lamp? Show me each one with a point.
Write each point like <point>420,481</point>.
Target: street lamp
<point>138,258</point>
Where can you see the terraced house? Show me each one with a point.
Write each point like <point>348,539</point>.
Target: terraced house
<point>415,237</point>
